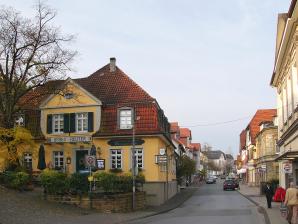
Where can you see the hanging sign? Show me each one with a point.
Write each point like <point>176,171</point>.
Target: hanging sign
<point>287,167</point>
<point>161,159</point>
<point>100,164</point>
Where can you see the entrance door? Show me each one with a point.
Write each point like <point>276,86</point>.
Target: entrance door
<point>80,161</point>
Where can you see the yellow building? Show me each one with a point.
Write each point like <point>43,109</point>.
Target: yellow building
<point>267,168</point>
<point>99,112</point>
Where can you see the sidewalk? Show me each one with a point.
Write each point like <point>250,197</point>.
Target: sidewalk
<point>272,216</point>
<point>28,207</point>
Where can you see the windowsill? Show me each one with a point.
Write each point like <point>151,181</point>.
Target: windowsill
<point>81,132</point>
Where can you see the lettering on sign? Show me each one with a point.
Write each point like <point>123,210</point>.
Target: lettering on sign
<point>161,159</point>
<point>72,139</point>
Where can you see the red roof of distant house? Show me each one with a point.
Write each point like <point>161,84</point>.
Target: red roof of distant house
<point>185,132</point>
<point>260,115</point>
<point>242,140</point>
<point>174,127</point>
<point>196,146</point>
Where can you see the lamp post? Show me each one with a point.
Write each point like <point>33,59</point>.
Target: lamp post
<point>134,170</point>
<point>133,167</point>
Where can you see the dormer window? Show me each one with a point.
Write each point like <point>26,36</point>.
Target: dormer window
<point>125,118</point>
<point>20,120</point>
<point>68,95</point>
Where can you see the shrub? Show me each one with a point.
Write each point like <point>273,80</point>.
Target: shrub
<point>20,180</point>
<point>111,183</point>
<point>140,178</point>
<point>78,183</point>
<point>54,182</point>
<point>16,180</point>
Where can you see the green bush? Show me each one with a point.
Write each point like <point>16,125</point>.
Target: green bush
<point>111,183</point>
<point>78,183</point>
<point>16,180</point>
<point>20,180</point>
<point>54,182</point>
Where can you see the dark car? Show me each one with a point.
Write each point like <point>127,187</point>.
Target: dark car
<point>230,185</point>
<point>210,180</point>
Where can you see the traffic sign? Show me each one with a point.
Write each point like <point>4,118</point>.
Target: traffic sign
<point>90,161</point>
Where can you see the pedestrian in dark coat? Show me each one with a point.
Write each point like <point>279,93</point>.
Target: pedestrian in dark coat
<point>269,194</point>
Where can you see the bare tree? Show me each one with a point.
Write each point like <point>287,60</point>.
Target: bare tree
<point>32,52</point>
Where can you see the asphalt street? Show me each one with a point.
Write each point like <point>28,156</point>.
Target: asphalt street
<point>210,204</point>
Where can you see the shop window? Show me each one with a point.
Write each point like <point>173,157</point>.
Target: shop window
<point>58,123</point>
<point>116,159</point>
<point>58,160</point>
<point>82,122</point>
<point>27,160</point>
<point>125,118</point>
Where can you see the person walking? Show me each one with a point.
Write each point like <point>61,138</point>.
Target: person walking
<point>291,202</point>
<point>269,194</point>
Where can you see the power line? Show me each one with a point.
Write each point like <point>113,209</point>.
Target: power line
<point>217,123</point>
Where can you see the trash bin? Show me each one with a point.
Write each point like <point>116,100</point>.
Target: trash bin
<point>262,188</point>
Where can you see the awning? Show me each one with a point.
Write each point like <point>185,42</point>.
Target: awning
<point>287,155</point>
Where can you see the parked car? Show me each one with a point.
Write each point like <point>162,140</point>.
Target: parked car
<point>223,177</point>
<point>210,180</point>
<point>230,185</point>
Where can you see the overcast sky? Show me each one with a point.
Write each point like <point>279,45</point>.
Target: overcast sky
<point>204,61</point>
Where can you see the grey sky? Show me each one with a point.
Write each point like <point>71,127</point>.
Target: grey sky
<point>204,61</point>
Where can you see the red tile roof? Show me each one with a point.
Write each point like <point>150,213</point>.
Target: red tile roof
<point>196,146</point>
<point>260,115</point>
<point>185,132</point>
<point>174,127</point>
<point>113,87</point>
<point>242,140</point>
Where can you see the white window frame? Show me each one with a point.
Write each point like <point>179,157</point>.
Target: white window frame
<point>57,155</point>
<point>139,152</point>
<point>59,118</point>
<point>20,120</point>
<point>83,117</point>
<point>27,159</point>
<point>125,119</point>
<point>114,156</point>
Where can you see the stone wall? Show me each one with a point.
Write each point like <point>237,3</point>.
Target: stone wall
<point>103,203</point>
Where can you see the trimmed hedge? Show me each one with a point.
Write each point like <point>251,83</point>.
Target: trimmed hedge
<point>54,182</point>
<point>15,180</point>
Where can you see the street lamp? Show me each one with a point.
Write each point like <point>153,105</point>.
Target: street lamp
<point>134,170</point>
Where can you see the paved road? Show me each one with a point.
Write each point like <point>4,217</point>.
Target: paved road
<point>210,204</point>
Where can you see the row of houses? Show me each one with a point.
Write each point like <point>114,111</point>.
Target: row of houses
<point>269,144</point>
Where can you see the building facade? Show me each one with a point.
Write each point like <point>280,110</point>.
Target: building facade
<point>284,80</point>
<point>106,112</point>
<point>267,168</point>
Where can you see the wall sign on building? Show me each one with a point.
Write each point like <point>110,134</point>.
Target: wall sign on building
<point>69,139</point>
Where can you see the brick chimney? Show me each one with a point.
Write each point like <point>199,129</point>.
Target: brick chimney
<point>112,64</point>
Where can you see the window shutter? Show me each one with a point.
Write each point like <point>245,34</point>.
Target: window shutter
<point>90,121</point>
<point>49,123</point>
<point>66,123</point>
<point>72,123</point>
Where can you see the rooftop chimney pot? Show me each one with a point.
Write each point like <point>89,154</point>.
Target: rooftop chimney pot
<point>112,64</point>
